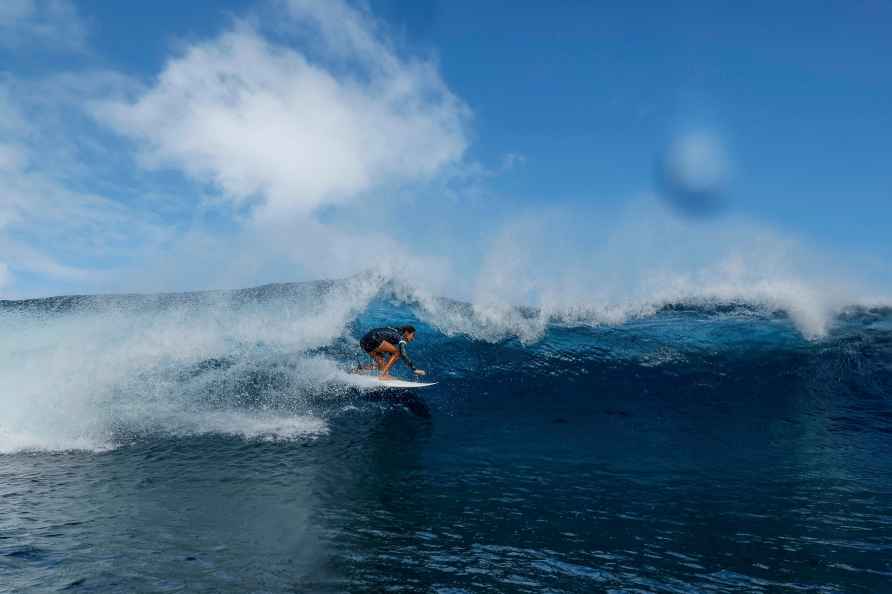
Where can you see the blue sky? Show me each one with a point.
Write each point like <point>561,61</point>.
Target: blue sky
<point>165,146</point>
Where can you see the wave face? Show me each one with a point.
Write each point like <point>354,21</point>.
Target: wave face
<point>699,445</point>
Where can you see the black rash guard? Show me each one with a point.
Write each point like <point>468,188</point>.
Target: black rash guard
<point>374,337</point>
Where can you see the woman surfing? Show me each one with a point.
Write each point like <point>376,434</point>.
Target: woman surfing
<point>390,341</point>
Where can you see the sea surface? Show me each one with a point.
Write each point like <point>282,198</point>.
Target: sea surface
<point>215,442</point>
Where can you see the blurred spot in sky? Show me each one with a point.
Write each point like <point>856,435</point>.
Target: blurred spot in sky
<point>692,174</point>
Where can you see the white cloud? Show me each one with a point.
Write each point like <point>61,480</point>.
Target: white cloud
<point>42,23</point>
<point>294,130</point>
<point>332,115</point>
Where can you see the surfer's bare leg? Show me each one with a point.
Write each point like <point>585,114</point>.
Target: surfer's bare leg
<point>378,354</point>
<point>378,361</point>
<point>385,372</point>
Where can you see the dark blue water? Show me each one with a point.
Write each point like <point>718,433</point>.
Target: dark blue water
<point>698,449</point>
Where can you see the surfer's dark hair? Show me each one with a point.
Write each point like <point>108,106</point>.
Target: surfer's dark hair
<point>407,329</point>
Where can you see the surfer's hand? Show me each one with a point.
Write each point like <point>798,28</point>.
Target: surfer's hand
<point>420,372</point>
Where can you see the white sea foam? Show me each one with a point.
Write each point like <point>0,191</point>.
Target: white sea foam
<point>811,307</point>
<point>265,426</point>
<point>597,268</point>
<point>79,380</point>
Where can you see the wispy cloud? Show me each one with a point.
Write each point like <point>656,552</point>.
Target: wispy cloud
<point>53,24</point>
<point>53,226</point>
<point>66,236</point>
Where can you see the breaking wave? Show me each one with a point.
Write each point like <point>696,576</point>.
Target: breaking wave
<point>96,372</point>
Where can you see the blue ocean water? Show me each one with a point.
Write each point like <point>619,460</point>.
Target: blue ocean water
<point>214,443</point>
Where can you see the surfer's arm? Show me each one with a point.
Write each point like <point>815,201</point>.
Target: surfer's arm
<point>405,355</point>
<point>408,361</point>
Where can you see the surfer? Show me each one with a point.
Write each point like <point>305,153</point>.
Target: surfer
<point>389,341</point>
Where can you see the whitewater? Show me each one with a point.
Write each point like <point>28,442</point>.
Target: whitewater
<point>706,436</point>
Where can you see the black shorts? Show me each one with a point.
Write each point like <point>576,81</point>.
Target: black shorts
<point>373,338</point>
<point>370,342</point>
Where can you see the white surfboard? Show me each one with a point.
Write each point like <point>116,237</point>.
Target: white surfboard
<point>403,384</point>
<point>368,381</point>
